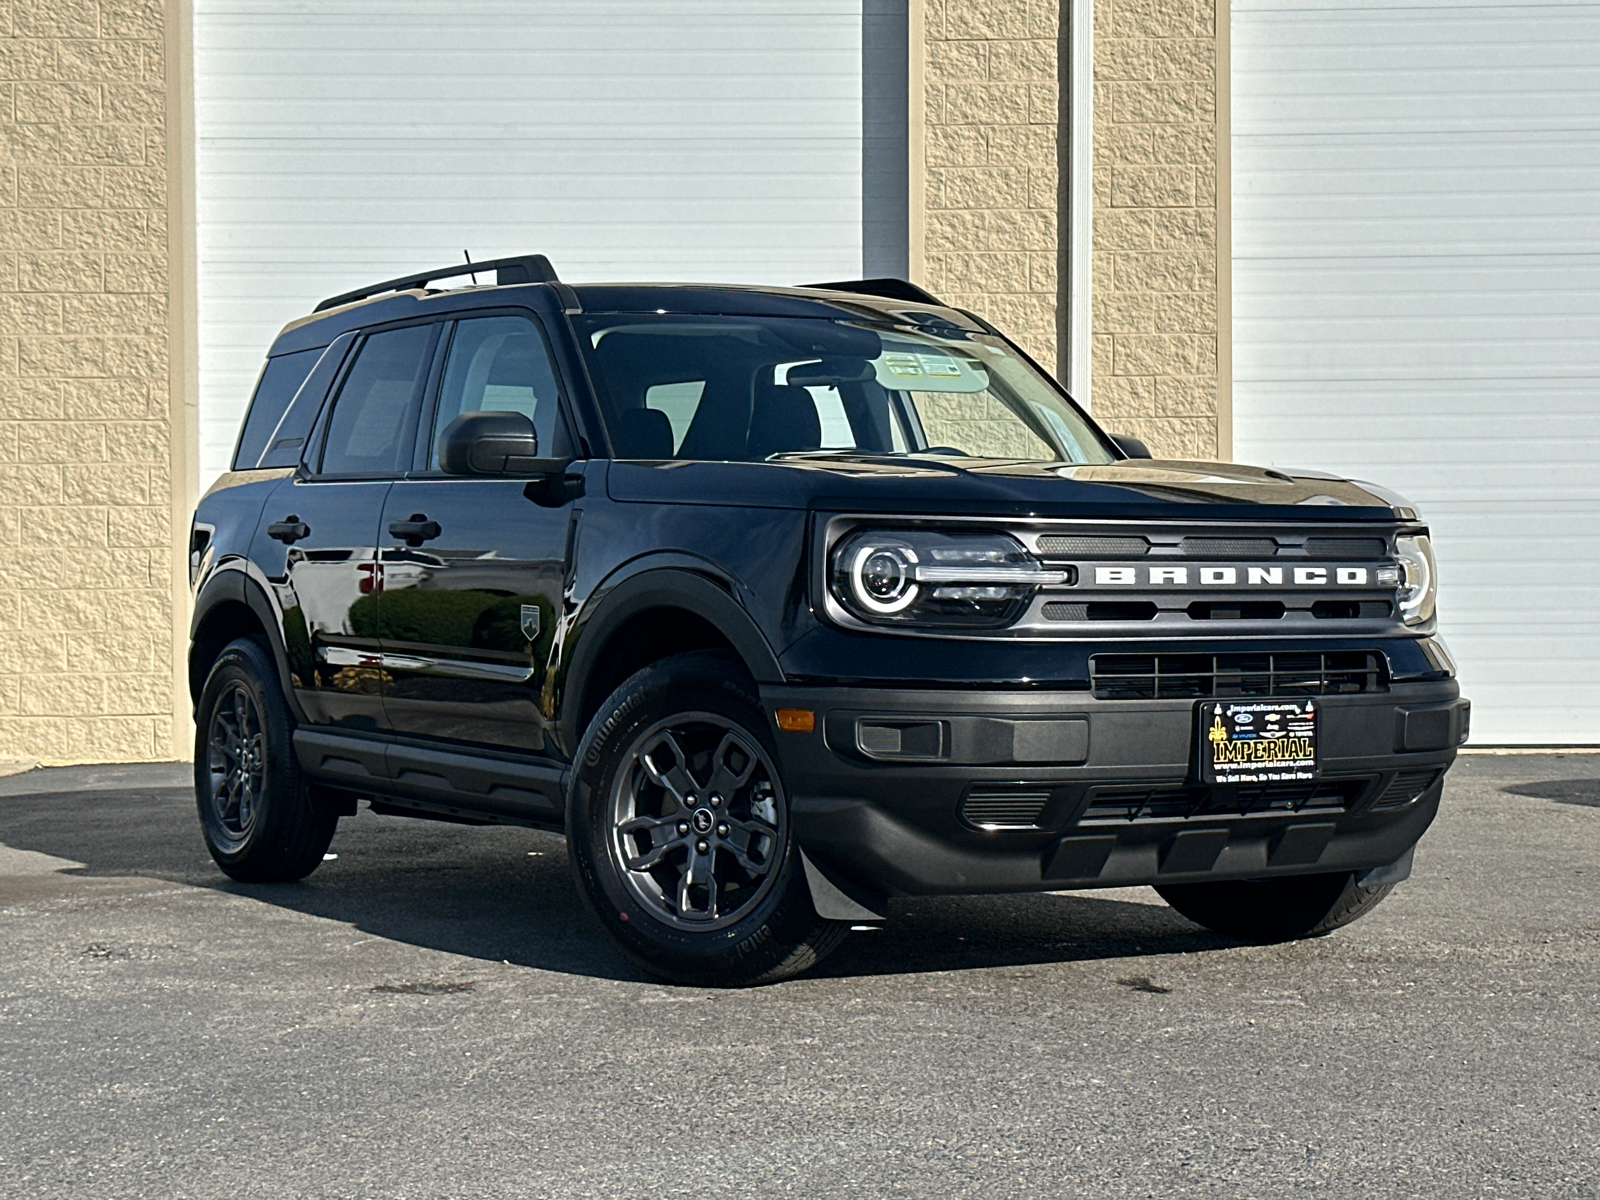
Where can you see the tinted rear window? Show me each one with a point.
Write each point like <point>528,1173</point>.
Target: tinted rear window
<point>280,380</point>
<point>374,417</point>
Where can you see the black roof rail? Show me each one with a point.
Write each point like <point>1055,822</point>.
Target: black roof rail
<point>526,268</point>
<point>890,289</point>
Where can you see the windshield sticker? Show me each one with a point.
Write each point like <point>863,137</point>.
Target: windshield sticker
<point>904,364</point>
<point>919,371</point>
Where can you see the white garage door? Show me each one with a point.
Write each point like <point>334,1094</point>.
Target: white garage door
<point>340,142</point>
<point>1417,302</point>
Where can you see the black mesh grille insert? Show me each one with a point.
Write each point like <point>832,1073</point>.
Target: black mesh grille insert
<point>1222,547</point>
<point>1346,547</point>
<point>1054,545</point>
<point>1350,610</point>
<point>1189,676</point>
<point>1101,610</point>
<point>1181,804</point>
<point>1004,808</point>
<point>1404,788</point>
<point>1236,610</point>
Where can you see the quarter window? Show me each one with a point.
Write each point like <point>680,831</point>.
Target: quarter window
<point>280,379</point>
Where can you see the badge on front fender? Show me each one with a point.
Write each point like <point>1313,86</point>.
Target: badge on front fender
<point>1258,741</point>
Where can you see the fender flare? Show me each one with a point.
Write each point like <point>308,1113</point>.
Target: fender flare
<point>663,587</point>
<point>233,584</point>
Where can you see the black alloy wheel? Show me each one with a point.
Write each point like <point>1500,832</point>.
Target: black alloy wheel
<point>236,763</point>
<point>257,814</point>
<point>696,819</point>
<point>678,827</point>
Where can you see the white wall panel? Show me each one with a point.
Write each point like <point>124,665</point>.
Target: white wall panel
<point>1417,302</point>
<point>340,142</point>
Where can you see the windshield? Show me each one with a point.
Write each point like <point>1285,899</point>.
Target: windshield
<point>749,389</point>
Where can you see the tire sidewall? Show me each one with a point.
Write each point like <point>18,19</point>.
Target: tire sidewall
<point>779,920</point>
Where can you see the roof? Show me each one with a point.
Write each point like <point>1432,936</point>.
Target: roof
<point>826,302</point>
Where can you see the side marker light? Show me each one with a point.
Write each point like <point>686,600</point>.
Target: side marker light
<point>796,720</point>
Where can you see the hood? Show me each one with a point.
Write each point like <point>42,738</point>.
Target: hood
<point>1004,487</point>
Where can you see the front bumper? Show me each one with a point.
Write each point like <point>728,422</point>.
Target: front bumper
<point>900,792</point>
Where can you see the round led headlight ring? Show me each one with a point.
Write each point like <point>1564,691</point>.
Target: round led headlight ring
<point>883,577</point>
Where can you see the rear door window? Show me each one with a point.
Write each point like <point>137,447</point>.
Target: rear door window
<point>280,380</point>
<point>369,432</point>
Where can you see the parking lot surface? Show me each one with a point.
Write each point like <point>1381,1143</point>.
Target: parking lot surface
<point>433,1014</point>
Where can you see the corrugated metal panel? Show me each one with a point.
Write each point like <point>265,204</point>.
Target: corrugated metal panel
<point>1417,302</point>
<point>346,141</point>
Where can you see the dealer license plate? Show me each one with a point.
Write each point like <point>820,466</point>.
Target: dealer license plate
<point>1259,741</point>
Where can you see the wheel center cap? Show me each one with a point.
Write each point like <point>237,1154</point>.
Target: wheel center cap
<point>702,820</point>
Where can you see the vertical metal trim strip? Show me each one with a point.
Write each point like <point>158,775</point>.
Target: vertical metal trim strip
<point>1224,109</point>
<point>1075,198</point>
<point>916,142</point>
<point>183,365</point>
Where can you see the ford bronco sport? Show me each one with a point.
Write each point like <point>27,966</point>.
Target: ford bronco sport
<point>780,602</point>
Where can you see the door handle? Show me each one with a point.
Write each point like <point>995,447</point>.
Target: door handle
<point>415,531</point>
<point>289,530</point>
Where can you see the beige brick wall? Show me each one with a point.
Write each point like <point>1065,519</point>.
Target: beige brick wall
<point>86,620</point>
<point>990,172</point>
<point>991,186</point>
<point>1155,289</point>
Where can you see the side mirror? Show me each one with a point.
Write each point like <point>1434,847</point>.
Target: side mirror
<point>493,443</point>
<point>1132,447</point>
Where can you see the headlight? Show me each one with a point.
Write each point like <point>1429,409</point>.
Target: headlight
<point>1419,577</point>
<point>924,578</point>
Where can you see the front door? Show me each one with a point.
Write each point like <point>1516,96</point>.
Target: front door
<point>473,569</point>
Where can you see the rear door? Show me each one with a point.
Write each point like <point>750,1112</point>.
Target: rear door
<point>320,528</point>
<point>472,568</point>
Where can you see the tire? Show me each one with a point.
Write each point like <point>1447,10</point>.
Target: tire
<point>715,895</point>
<point>256,811</point>
<point>1275,910</point>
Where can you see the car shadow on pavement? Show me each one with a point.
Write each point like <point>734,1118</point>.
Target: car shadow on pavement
<point>1584,792</point>
<point>505,894</point>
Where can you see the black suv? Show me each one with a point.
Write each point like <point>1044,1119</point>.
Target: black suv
<point>783,601</point>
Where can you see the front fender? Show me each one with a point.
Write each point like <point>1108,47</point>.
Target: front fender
<point>680,585</point>
<point>238,581</point>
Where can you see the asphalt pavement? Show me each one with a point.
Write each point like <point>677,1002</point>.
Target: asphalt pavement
<point>433,1014</point>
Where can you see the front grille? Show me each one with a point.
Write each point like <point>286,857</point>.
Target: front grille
<point>1193,676</point>
<point>1118,804</point>
<point>1404,789</point>
<point>1350,549</point>
<point>1004,808</point>
<point>1226,547</point>
<point>1054,545</point>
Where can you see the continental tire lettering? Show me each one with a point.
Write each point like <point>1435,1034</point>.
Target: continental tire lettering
<point>603,734</point>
